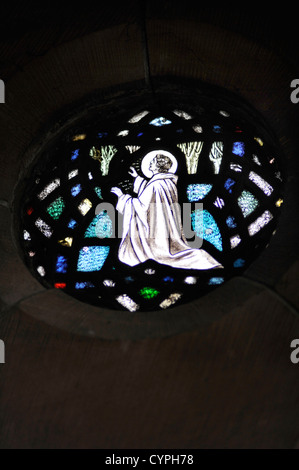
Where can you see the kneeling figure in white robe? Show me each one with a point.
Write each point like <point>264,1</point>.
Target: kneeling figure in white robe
<point>152,227</point>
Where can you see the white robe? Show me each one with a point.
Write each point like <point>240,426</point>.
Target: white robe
<point>152,227</point>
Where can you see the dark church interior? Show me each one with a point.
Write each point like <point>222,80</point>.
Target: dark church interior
<point>216,372</point>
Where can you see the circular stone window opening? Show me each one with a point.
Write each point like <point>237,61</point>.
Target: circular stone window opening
<point>150,208</point>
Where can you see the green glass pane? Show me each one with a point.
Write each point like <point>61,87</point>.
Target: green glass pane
<point>247,203</point>
<point>56,208</point>
<point>101,226</point>
<point>148,292</point>
<point>98,192</point>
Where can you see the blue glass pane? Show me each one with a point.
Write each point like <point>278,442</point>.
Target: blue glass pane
<point>76,189</point>
<point>239,148</point>
<point>195,192</point>
<point>92,258</point>
<point>75,154</point>
<point>216,281</point>
<point>61,264</point>
<point>160,121</point>
<point>72,223</point>
<point>83,285</point>
<point>239,263</point>
<point>231,222</point>
<point>229,183</point>
<point>205,227</point>
<point>100,226</point>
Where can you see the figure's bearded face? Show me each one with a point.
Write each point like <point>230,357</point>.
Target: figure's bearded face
<point>153,165</point>
<point>160,164</point>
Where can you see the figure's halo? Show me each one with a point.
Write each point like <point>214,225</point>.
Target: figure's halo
<point>148,158</point>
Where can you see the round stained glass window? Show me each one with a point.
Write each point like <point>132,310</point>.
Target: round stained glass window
<point>147,208</point>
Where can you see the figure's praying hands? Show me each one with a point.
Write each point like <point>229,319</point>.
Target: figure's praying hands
<point>116,191</point>
<point>133,172</point>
